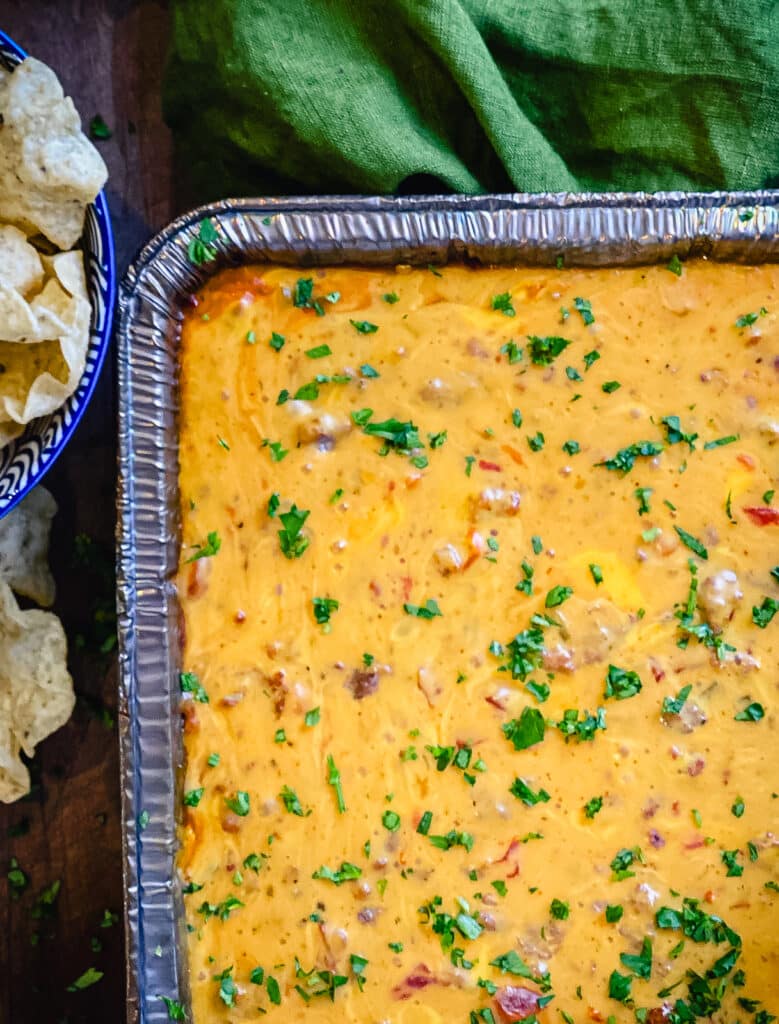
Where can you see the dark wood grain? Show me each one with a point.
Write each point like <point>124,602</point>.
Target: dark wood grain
<point>110,58</point>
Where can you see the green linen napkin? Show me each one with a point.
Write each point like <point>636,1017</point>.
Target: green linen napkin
<point>378,96</point>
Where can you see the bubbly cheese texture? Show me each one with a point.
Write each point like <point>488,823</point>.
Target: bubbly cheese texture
<point>478,573</point>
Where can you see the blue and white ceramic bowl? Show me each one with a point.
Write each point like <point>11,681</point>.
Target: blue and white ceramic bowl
<point>24,461</point>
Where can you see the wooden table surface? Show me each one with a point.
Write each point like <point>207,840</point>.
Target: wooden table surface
<point>110,56</point>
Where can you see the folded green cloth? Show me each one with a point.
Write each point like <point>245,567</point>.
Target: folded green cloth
<point>376,96</point>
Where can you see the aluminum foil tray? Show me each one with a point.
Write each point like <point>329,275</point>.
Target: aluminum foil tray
<point>584,229</point>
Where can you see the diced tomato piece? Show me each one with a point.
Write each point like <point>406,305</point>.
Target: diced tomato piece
<point>762,515</point>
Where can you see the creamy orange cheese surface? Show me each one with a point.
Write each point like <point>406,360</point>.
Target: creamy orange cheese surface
<point>480,690</point>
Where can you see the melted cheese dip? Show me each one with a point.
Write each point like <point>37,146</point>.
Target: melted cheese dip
<point>480,690</point>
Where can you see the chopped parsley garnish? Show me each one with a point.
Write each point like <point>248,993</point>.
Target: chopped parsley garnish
<point>675,265</point>
<point>729,859</point>
<point>625,458</point>
<point>324,608</point>
<point>503,304</point>
<point>525,653</point>
<point>610,386</point>
<point>559,910</point>
<point>209,549</point>
<point>738,807</point>
<point>201,248</point>
<point>597,573</point>
<point>175,1010</point>
<point>721,442</point>
<point>221,910</point>
<point>334,780</point>
<point>621,684</point>
<point>537,544</point>
<point>451,839</point>
<point>424,823</point>
<point>228,990</point>
<point>573,374</point>
<point>284,396</point>
<point>674,433</point>
<point>364,326</point>
<point>525,586</point>
<point>762,614</point>
<point>253,862</point>
<point>277,451</point>
<point>619,986</point>
<point>640,964</point>
<point>582,728</point>
<point>239,803</point>
<point>525,731</point>
<point>557,595</point>
<point>303,296</point>
<point>614,912</point>
<point>429,610</point>
<point>702,631</point>
<point>293,542</point>
<point>437,440</point>
<point>674,705</point>
<point>590,358</point>
<point>692,543</point>
<point>391,298</point>
<point>402,437</point>
<point>311,718</point>
<point>346,873</point>
<point>536,442</point>
<point>752,713</point>
<point>622,862</point>
<point>291,802</point>
<point>571,447</point>
<point>543,351</point>
<point>522,791</point>
<point>593,806</point>
<point>276,342</point>
<point>583,307</point>
<point>747,319</point>
<point>190,683</point>
<point>391,821</point>
<point>642,496</point>
<point>319,352</point>
<point>193,797</point>
<point>213,760</point>
<point>513,351</point>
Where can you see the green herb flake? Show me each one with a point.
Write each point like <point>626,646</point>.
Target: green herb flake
<point>319,352</point>
<point>593,806</point>
<point>584,308</point>
<point>90,977</point>
<point>324,608</point>
<point>597,573</point>
<point>345,873</point>
<point>189,683</point>
<point>571,447</point>
<point>429,610</point>
<point>364,326</point>
<point>621,683</point>
<point>525,731</point>
<point>559,910</point>
<point>751,713</point>
<point>291,802</point>
<point>614,912</point>
<point>557,595</point>
<point>590,358</point>
<point>692,543</point>
<point>544,350</point>
<point>201,248</point>
<point>625,458</point>
<point>175,1010</point>
<point>391,298</point>
<point>207,550</point>
<point>502,303</point>
<point>738,807</point>
<point>536,442</point>
<point>674,705</point>
<point>293,543</point>
<point>610,386</point>
<point>391,821</point>
<point>522,791</point>
<point>276,340</point>
<point>675,265</point>
<point>763,613</point>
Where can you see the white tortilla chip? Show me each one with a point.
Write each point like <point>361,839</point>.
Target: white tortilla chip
<point>36,691</point>
<point>18,322</point>
<point>24,547</point>
<point>20,264</point>
<point>49,171</point>
<point>68,268</point>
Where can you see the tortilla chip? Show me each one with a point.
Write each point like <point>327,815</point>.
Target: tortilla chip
<point>68,268</point>
<point>24,547</point>
<point>43,150</point>
<point>36,691</point>
<point>20,264</point>
<point>17,321</point>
